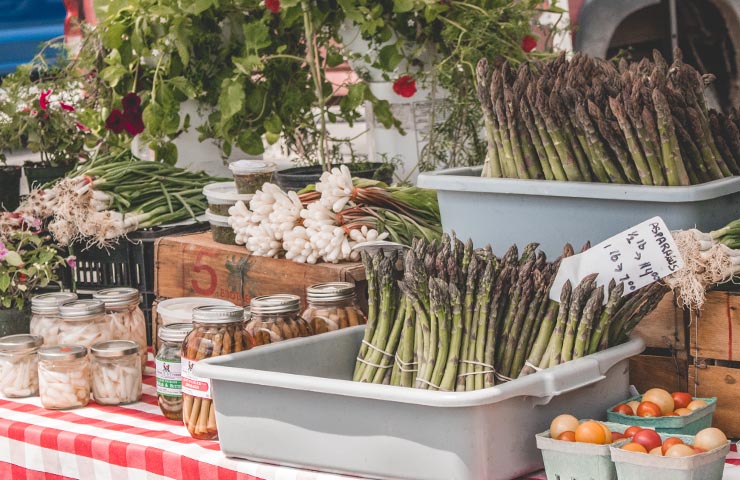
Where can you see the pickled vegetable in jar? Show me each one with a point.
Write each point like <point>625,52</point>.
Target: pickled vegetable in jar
<point>116,372</point>
<point>124,317</point>
<point>250,175</point>
<point>19,365</point>
<point>332,306</point>
<point>64,377</point>
<point>168,360</point>
<point>83,323</point>
<point>276,318</point>
<point>217,330</point>
<point>45,318</point>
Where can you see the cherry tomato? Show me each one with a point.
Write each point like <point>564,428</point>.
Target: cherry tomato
<point>648,409</point>
<point>567,436</point>
<point>681,399</point>
<point>648,439</point>
<point>591,432</point>
<point>634,447</point>
<point>669,442</point>
<point>617,436</point>
<point>680,450</point>
<point>631,431</point>
<point>661,398</point>
<point>699,450</point>
<point>623,409</point>
<point>672,414</point>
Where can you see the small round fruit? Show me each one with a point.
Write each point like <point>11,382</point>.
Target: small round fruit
<point>699,450</point>
<point>672,414</point>
<point>634,447</point>
<point>567,436</point>
<point>681,399</point>
<point>648,439</point>
<point>563,423</point>
<point>709,439</point>
<point>649,409</point>
<point>680,450</point>
<point>607,433</point>
<point>591,432</point>
<point>669,442</point>
<point>617,436</point>
<point>696,405</point>
<point>631,431</point>
<point>657,451</point>
<point>661,398</point>
<point>633,405</point>
<point>683,412</point>
<point>624,409</point>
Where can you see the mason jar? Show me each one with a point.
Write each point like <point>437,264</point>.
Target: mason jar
<point>83,323</point>
<point>275,318</point>
<point>116,372</point>
<point>168,361</point>
<point>332,306</point>
<point>124,317</point>
<point>64,377</point>
<point>45,319</point>
<point>19,365</point>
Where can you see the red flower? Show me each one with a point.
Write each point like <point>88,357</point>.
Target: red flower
<point>84,128</point>
<point>131,103</point>
<point>114,122</point>
<point>529,43</point>
<point>22,277</point>
<point>273,5</point>
<point>133,123</point>
<point>43,99</point>
<point>405,86</point>
<point>66,107</point>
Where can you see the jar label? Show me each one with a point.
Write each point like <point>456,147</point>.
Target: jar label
<point>168,377</point>
<point>192,384</point>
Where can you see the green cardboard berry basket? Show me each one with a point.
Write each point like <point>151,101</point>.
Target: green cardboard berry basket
<point>641,466</point>
<point>577,461</point>
<point>683,425</point>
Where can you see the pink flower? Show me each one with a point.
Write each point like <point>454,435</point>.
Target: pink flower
<point>34,113</point>
<point>3,251</point>
<point>71,261</point>
<point>529,43</point>
<point>43,99</point>
<point>68,108</point>
<point>32,221</point>
<point>82,127</point>
<point>405,86</point>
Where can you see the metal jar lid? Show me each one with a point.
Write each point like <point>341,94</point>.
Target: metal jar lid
<point>50,302</point>
<point>281,303</point>
<point>118,297</point>
<point>114,349</point>
<point>174,332</point>
<point>20,342</point>
<point>218,314</point>
<point>330,292</point>
<point>78,309</point>
<point>62,352</point>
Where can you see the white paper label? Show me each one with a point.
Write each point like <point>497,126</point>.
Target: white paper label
<point>192,384</point>
<point>169,381</point>
<point>637,257</point>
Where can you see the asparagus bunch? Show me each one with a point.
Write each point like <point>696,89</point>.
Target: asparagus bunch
<point>458,318</point>
<point>588,119</point>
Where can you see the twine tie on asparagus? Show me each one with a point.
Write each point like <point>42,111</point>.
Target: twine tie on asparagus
<point>425,382</point>
<point>370,345</point>
<point>490,368</point>
<point>532,366</point>
<point>402,365</point>
<point>502,378</point>
<point>384,367</point>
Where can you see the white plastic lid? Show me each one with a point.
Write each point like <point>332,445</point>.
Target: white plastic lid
<point>247,167</point>
<point>217,220</point>
<point>178,310</point>
<point>224,193</point>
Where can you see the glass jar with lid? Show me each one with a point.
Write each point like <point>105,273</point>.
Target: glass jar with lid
<point>217,330</point>
<point>64,377</point>
<point>19,365</point>
<point>332,306</point>
<point>45,319</point>
<point>168,361</point>
<point>124,317</point>
<point>83,323</point>
<point>275,318</point>
<point>116,372</point>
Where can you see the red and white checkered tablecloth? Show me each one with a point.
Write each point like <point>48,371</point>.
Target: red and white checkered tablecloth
<point>132,442</point>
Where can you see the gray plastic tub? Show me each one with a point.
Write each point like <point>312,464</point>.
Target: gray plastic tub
<point>503,211</point>
<point>293,403</point>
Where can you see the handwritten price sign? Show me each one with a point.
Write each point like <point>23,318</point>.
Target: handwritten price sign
<point>636,257</point>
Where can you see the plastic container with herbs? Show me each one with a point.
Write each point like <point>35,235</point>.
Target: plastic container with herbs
<point>83,323</point>
<point>220,229</point>
<point>168,361</point>
<point>124,317</point>
<point>19,365</point>
<point>250,175</point>
<point>332,306</point>
<point>45,319</point>
<point>116,372</point>
<point>64,377</point>
<point>217,330</point>
<point>275,318</point>
<point>223,195</point>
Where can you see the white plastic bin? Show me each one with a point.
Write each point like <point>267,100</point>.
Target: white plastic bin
<point>508,211</point>
<point>293,403</point>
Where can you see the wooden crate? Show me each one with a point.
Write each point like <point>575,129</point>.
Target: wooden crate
<point>196,266</point>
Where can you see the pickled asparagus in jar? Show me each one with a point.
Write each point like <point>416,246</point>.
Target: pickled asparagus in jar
<point>275,318</point>
<point>64,377</point>
<point>19,365</point>
<point>168,361</point>
<point>124,317</point>
<point>45,318</point>
<point>116,372</point>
